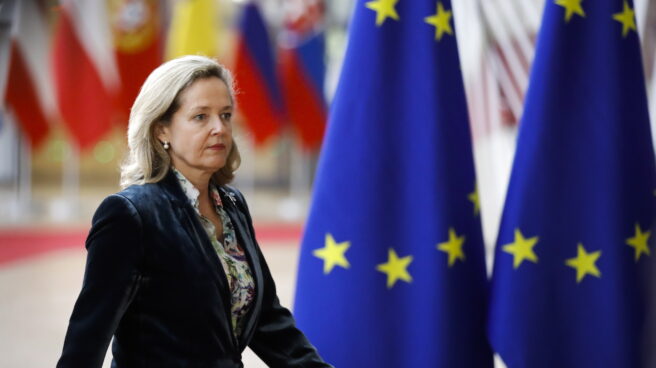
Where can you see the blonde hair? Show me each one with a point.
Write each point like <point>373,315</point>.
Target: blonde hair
<point>147,161</point>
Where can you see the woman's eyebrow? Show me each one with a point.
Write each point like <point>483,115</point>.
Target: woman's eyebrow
<point>203,108</point>
<point>199,108</point>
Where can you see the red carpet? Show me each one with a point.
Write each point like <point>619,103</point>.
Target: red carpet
<point>17,244</point>
<point>22,243</point>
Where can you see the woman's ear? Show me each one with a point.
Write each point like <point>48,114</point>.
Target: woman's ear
<point>162,133</point>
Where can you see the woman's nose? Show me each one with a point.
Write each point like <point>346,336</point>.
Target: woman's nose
<point>217,125</point>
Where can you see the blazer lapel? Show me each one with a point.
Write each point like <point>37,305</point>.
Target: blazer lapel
<point>246,240</point>
<point>189,222</point>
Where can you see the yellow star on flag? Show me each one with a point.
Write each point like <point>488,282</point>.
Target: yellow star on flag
<point>571,7</point>
<point>441,21</point>
<point>332,254</point>
<point>627,18</point>
<point>584,263</point>
<point>384,9</point>
<point>522,249</point>
<point>473,197</point>
<point>639,242</point>
<point>453,247</point>
<point>395,268</point>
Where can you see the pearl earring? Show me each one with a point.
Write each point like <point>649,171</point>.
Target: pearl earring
<point>166,145</point>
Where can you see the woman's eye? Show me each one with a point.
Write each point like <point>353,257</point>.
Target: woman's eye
<point>200,117</point>
<point>226,116</point>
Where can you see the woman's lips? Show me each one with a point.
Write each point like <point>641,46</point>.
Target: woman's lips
<point>219,146</point>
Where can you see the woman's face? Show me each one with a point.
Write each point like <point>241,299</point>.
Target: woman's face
<point>200,132</point>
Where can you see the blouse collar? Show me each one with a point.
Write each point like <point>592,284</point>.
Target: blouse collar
<point>192,193</point>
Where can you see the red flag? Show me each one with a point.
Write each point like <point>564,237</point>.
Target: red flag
<point>302,70</point>
<point>85,70</point>
<point>21,97</point>
<point>29,84</point>
<point>136,25</point>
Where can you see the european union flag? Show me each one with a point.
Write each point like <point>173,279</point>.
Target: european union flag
<point>392,270</point>
<point>571,275</point>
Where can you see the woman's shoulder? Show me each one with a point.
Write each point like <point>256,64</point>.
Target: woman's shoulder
<point>140,192</point>
<point>137,200</point>
<point>134,198</point>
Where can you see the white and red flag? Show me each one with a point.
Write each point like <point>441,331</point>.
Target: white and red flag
<point>29,94</point>
<point>86,75</point>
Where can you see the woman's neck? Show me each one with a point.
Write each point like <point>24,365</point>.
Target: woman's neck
<point>200,180</point>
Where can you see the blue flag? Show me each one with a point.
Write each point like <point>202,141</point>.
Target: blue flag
<point>392,270</point>
<point>571,275</point>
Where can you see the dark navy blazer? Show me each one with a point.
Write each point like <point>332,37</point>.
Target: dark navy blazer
<point>153,280</point>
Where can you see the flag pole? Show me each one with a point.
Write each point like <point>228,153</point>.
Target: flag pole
<point>299,179</point>
<point>67,205</point>
<point>651,95</point>
<point>291,207</point>
<point>24,195</point>
<point>15,143</point>
<point>245,179</point>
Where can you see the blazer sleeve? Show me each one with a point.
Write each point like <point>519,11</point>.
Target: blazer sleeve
<point>277,340</point>
<point>114,251</point>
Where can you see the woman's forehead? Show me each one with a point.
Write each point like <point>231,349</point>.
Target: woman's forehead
<point>206,93</point>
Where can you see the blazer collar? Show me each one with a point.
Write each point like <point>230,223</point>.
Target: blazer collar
<point>172,189</point>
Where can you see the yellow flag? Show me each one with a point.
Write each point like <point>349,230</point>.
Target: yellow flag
<point>194,29</point>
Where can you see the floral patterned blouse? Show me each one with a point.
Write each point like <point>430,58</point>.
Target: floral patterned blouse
<point>232,256</point>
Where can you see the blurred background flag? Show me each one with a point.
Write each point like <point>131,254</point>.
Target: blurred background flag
<point>302,69</point>
<point>86,76</point>
<point>573,255</point>
<point>194,29</point>
<point>392,269</point>
<point>31,96</point>
<point>136,26</point>
<point>260,99</point>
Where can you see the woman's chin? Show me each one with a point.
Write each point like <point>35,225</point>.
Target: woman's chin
<point>214,167</point>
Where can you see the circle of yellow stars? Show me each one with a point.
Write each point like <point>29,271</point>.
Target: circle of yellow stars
<point>522,248</point>
<point>333,253</point>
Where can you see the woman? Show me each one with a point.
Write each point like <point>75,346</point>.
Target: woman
<point>173,269</point>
